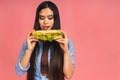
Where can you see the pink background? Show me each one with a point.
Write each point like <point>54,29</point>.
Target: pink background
<point>93,25</point>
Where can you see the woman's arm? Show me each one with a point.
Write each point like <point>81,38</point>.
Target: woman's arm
<point>68,67</point>
<point>23,61</point>
<point>31,42</point>
<point>67,47</point>
<point>26,58</point>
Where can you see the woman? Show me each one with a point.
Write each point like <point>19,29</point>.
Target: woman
<point>44,60</point>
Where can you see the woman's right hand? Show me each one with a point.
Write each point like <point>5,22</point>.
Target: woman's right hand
<point>31,41</point>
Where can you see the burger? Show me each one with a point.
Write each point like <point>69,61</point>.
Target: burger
<point>47,35</point>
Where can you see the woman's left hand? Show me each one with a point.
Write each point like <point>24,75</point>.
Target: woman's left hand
<point>63,42</point>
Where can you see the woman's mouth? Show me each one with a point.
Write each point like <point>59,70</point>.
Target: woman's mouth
<point>45,27</point>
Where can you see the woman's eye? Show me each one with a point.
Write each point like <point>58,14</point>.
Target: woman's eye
<point>50,18</point>
<point>41,18</point>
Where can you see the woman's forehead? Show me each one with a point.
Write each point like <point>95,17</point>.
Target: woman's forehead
<point>46,12</point>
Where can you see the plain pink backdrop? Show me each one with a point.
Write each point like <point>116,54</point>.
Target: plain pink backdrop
<point>93,25</point>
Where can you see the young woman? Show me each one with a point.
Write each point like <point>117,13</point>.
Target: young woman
<point>44,60</point>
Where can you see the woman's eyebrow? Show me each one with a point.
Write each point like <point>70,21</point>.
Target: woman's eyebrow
<point>41,15</point>
<point>50,15</point>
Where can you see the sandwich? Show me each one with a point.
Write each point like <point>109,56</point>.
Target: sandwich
<point>47,35</point>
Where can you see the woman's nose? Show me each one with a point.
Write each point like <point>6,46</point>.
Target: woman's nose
<point>45,21</point>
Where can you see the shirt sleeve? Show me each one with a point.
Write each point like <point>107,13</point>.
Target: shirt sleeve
<point>71,49</point>
<point>19,69</point>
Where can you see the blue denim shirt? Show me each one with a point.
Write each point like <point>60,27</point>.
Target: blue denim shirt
<point>38,76</point>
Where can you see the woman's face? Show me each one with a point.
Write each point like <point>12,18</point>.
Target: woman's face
<point>46,19</point>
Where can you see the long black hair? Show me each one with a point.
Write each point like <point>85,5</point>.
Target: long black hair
<point>55,71</point>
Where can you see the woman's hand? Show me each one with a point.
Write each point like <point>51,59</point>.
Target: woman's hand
<point>31,41</point>
<point>63,42</point>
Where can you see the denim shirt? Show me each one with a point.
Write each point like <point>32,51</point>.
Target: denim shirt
<point>38,76</point>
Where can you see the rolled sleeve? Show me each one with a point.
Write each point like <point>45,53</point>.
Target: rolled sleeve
<point>24,69</point>
<point>20,70</point>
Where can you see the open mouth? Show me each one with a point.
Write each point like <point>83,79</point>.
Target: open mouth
<point>45,27</point>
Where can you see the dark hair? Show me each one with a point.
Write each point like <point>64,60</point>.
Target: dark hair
<point>53,7</point>
<point>55,71</point>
